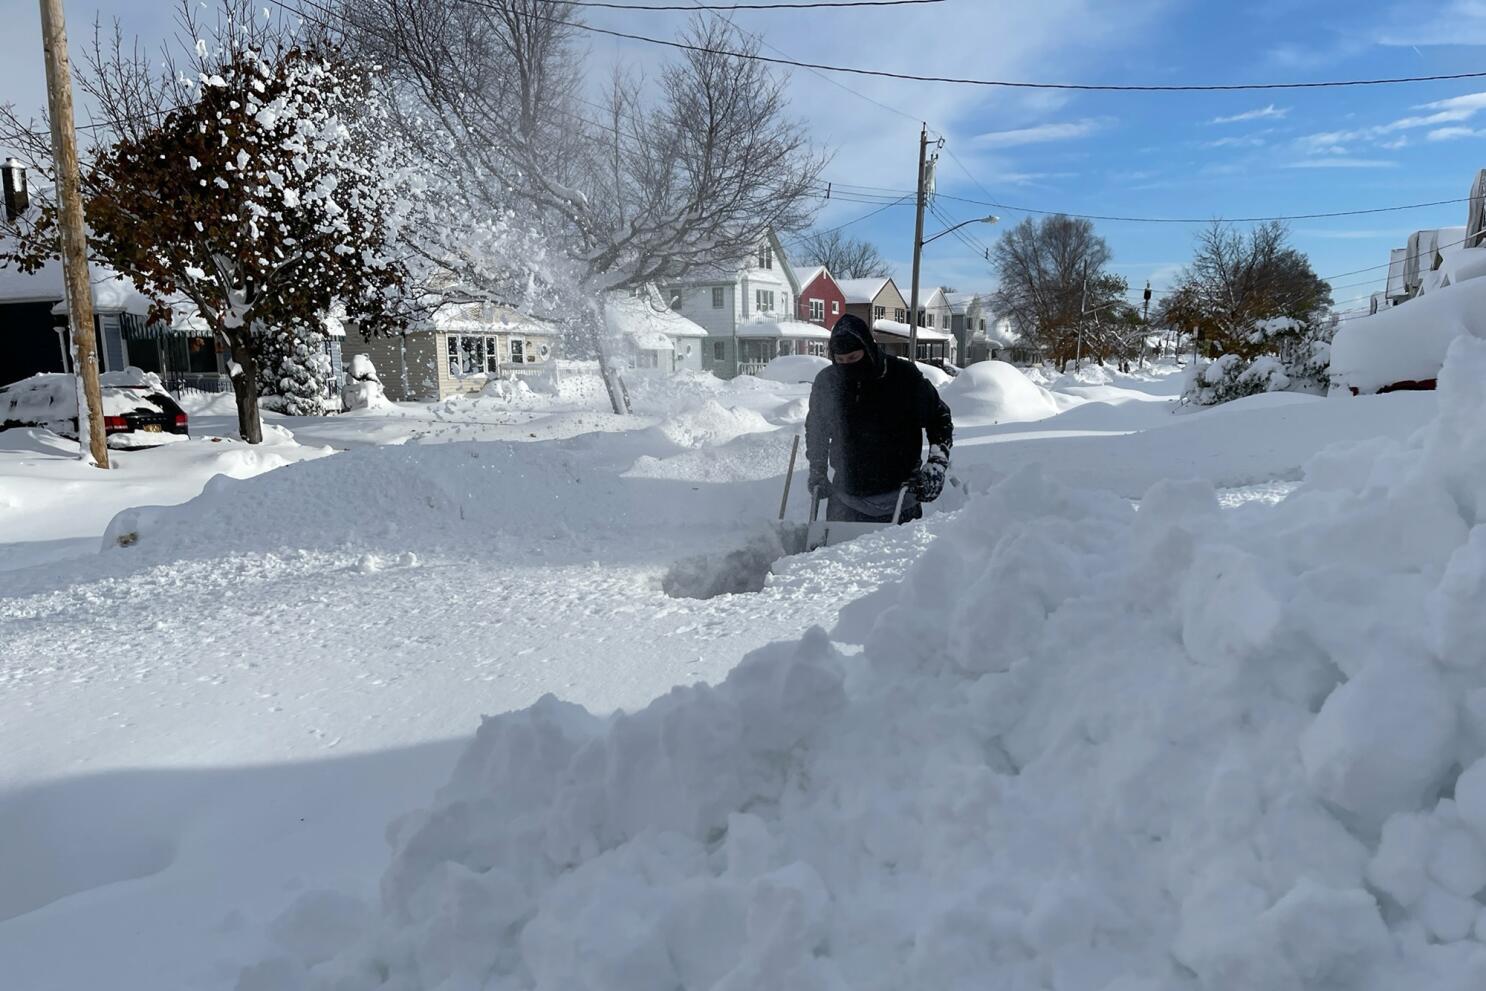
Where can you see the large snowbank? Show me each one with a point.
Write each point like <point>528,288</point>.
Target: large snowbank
<point>996,392</point>
<point>1084,747</point>
<point>1407,343</point>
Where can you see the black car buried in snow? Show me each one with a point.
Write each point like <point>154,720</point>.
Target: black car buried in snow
<point>137,412</point>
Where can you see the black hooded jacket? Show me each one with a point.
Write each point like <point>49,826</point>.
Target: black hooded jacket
<point>870,428</point>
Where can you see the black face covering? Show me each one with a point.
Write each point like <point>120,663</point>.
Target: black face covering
<point>858,371</point>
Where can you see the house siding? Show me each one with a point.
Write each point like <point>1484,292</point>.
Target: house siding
<point>825,289</point>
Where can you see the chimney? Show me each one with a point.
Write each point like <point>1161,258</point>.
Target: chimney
<point>17,195</point>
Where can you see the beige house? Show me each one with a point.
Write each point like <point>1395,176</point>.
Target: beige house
<point>873,300</point>
<point>458,350</point>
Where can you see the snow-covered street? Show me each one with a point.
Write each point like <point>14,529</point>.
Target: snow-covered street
<point>231,708</point>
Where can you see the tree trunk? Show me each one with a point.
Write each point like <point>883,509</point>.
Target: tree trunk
<point>618,396</point>
<point>245,388</point>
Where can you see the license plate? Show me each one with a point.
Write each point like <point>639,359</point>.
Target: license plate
<point>151,428</point>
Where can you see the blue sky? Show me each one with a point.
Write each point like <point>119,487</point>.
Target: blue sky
<point>1162,155</point>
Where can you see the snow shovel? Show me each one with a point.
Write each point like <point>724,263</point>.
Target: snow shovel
<point>826,533</point>
<point>799,538</point>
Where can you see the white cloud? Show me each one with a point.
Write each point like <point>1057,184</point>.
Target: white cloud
<point>1262,113</point>
<point>1452,111</point>
<point>1453,133</point>
<point>1251,141</point>
<point>1341,162</point>
<point>1041,133</point>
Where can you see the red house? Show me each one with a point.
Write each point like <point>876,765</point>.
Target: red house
<point>821,301</point>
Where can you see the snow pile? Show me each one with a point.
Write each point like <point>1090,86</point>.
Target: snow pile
<point>1084,747</point>
<point>364,386</point>
<point>133,378</point>
<point>937,377</point>
<point>794,368</point>
<point>995,392</point>
<point>1407,343</point>
<point>711,424</point>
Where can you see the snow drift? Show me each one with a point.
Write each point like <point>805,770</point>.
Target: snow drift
<point>996,392</point>
<point>1407,343</point>
<point>1085,748</point>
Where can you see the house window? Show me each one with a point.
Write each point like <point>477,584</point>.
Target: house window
<point>878,312</point>
<point>900,314</point>
<point>647,359</point>
<point>518,351</point>
<point>835,307</point>
<point>765,257</point>
<point>764,300</point>
<point>717,297</point>
<point>473,354</point>
<point>817,309</point>
<point>719,351</point>
<point>982,326</point>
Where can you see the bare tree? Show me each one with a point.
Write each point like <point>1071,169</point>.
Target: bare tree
<point>1054,284</point>
<point>846,257</point>
<point>1237,281</point>
<point>544,206</point>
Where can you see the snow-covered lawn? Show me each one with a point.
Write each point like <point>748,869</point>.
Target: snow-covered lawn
<point>224,708</point>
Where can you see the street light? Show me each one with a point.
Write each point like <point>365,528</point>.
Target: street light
<point>918,248</point>
<point>950,230</point>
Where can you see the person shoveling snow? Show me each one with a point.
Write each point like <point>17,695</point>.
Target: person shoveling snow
<point>869,414</point>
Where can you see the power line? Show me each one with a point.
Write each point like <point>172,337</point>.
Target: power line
<point>1006,83</point>
<point>1013,208</point>
<point>866,216</point>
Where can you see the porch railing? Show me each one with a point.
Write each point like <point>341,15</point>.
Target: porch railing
<point>751,367</point>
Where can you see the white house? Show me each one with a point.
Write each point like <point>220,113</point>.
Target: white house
<point>761,288</point>
<point>651,338</point>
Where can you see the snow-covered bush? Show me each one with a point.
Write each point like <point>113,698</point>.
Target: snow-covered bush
<point>1296,358</point>
<point>294,371</point>
<point>363,385</point>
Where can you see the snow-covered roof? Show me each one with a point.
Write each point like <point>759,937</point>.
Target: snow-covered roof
<point>807,277</point>
<point>897,329</point>
<point>862,290</point>
<point>484,318</point>
<point>786,329</point>
<point>112,292</point>
<point>960,302</point>
<point>642,325</point>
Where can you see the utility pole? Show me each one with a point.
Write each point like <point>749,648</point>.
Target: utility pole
<point>1083,312</point>
<point>1145,323</point>
<point>74,236</point>
<point>918,242</point>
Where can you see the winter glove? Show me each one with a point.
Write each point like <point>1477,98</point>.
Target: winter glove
<point>820,486</point>
<point>928,482</point>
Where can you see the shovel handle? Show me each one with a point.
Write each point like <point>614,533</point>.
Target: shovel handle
<point>898,512</point>
<point>789,476</point>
